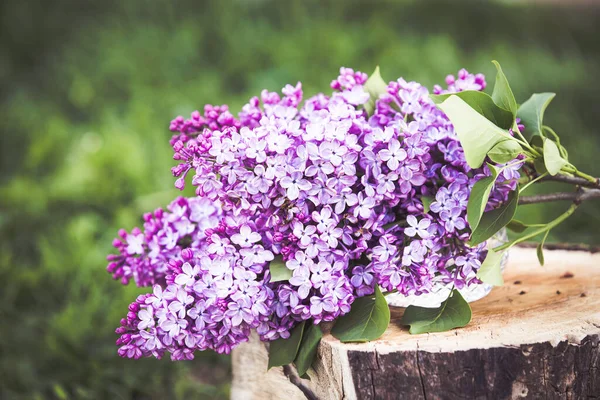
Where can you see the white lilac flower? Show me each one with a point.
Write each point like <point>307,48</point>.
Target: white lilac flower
<point>146,317</point>
<point>393,155</point>
<point>135,244</point>
<point>293,184</point>
<point>419,228</point>
<point>255,255</point>
<point>246,237</point>
<point>188,275</point>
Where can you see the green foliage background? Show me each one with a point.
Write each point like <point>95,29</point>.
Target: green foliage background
<point>88,90</point>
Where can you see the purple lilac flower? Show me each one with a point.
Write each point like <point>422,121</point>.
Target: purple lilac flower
<point>144,255</point>
<point>335,195</point>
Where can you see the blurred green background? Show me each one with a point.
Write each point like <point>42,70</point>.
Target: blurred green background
<point>88,89</point>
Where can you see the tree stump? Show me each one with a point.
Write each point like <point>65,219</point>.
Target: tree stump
<point>535,337</point>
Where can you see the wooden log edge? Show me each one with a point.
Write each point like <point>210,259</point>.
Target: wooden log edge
<point>537,336</point>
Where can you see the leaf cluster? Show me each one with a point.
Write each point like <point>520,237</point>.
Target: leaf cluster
<point>488,128</point>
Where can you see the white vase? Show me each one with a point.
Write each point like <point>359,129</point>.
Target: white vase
<point>441,290</point>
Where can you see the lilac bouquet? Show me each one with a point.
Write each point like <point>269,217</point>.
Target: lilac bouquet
<point>311,211</point>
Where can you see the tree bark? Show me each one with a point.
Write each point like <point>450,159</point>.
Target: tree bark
<point>535,337</point>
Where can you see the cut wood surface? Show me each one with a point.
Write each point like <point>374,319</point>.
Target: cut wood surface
<point>535,337</point>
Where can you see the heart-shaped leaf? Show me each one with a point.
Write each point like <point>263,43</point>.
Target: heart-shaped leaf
<point>375,86</point>
<point>476,133</point>
<point>479,197</point>
<point>279,272</point>
<point>552,158</point>
<point>367,320</point>
<point>455,312</point>
<point>502,94</point>
<point>483,104</point>
<point>505,151</point>
<point>531,112</point>
<point>492,221</point>
<point>308,348</point>
<point>283,351</point>
<point>490,272</point>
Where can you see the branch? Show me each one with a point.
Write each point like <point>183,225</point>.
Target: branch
<point>573,180</point>
<point>563,246</point>
<point>289,372</point>
<point>292,375</point>
<point>576,197</point>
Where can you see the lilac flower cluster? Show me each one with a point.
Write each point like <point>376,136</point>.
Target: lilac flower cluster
<point>213,296</point>
<point>144,256</point>
<point>341,200</point>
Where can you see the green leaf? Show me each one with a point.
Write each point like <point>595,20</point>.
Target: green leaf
<point>492,221</point>
<point>539,166</point>
<point>517,226</point>
<point>505,151</point>
<point>483,104</point>
<point>476,133</point>
<point>455,312</point>
<point>563,152</point>
<point>308,348</point>
<point>283,351</point>
<point>367,320</point>
<point>279,272</point>
<point>537,141</point>
<point>540,248</point>
<point>502,94</point>
<point>552,158</point>
<point>479,197</point>
<point>426,200</point>
<point>531,112</point>
<point>490,272</point>
<point>520,227</point>
<point>375,86</point>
